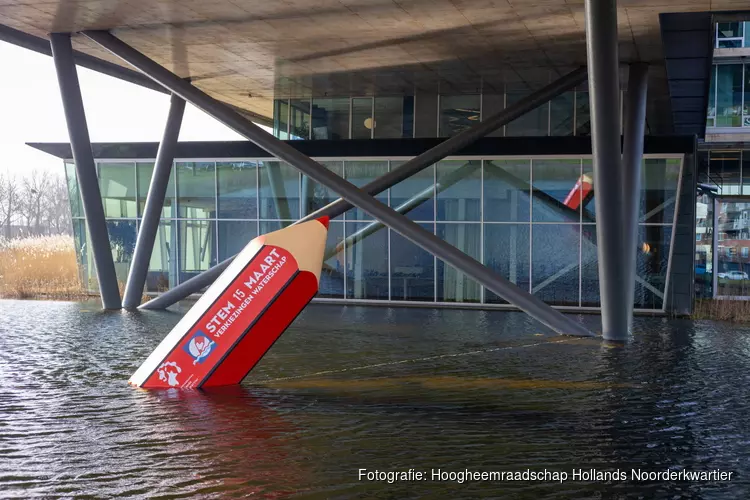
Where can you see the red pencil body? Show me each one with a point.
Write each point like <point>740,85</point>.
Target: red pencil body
<point>240,316</point>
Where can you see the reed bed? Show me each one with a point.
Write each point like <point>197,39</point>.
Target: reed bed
<point>40,267</point>
<point>736,311</point>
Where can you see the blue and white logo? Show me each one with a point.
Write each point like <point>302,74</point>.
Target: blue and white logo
<point>199,347</point>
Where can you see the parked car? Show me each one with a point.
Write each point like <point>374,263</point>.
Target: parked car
<point>734,275</point>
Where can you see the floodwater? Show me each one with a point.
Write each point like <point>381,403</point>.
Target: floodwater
<point>349,388</point>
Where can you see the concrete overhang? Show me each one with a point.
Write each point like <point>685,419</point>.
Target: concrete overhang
<point>248,53</point>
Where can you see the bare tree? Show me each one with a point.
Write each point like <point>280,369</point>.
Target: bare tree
<point>9,203</point>
<point>35,195</point>
<point>58,209</point>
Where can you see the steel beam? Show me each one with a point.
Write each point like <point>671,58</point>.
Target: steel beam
<point>80,144</point>
<point>408,169</point>
<point>604,99</point>
<point>632,160</point>
<point>530,304</point>
<point>157,191</point>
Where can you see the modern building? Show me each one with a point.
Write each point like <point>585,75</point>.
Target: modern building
<point>506,210</point>
<point>724,169</point>
<point>563,170</point>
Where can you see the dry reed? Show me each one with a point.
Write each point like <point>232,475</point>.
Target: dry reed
<point>737,311</point>
<point>40,267</point>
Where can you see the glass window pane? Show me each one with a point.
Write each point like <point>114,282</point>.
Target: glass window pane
<point>704,222</point>
<point>197,247</point>
<point>554,273</point>
<point>362,121</point>
<point>315,196</point>
<point>506,190</point>
<point>457,113</point>
<point>729,30</point>
<point>389,117</point>
<point>453,285</point>
<point>583,120</point>
<point>87,270</point>
<point>366,261</point>
<point>299,126</point>
<point>117,185</point>
<point>651,266</point>
<point>728,95</point>
<point>412,270</point>
<point>746,26</point>
<point>162,268</point>
<point>533,123</point>
<point>238,189</point>
<point>729,44</point>
<point>711,113</point>
<point>360,173</point>
<point>332,274</point>
<point>732,253</point>
<point>561,115</point>
<point>745,171</point>
<point>278,191</point>
<point>122,235</point>
<point>556,191</point>
<point>659,188</point>
<point>144,172</point>
<point>459,186</point>
<point>586,191</point>
<point>330,118</point>
<point>506,251</point>
<point>281,119</point>
<point>415,196</point>
<point>74,194</point>
<point>746,105</point>
<point>234,236</point>
<point>589,267</point>
<point>196,189</point>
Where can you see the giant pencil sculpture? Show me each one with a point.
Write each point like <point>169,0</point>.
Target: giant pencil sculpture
<point>229,329</point>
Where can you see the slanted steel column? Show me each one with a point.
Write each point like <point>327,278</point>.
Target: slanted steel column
<point>532,305</point>
<point>80,144</point>
<point>157,190</point>
<point>604,99</point>
<point>632,160</point>
<point>408,169</point>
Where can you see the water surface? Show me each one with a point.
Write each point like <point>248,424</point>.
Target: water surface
<point>375,388</point>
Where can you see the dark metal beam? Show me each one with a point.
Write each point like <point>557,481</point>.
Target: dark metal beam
<point>604,98</point>
<point>632,159</point>
<point>532,305</point>
<point>157,191</point>
<point>70,90</point>
<point>408,169</point>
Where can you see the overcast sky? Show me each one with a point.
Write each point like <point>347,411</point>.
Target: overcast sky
<point>116,111</point>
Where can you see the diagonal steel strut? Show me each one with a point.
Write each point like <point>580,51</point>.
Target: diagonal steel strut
<point>408,169</point>
<point>530,304</point>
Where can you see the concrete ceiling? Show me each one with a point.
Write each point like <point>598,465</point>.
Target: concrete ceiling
<point>246,52</point>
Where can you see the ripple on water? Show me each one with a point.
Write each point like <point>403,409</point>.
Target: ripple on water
<point>351,387</point>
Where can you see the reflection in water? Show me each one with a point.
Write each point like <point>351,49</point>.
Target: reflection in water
<point>376,388</point>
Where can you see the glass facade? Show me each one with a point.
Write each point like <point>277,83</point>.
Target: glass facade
<point>393,117</point>
<point>517,215</point>
<point>729,96</point>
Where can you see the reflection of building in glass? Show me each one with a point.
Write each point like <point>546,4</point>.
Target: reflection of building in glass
<point>508,213</point>
<point>393,117</point>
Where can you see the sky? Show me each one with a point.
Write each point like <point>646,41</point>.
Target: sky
<point>116,111</point>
